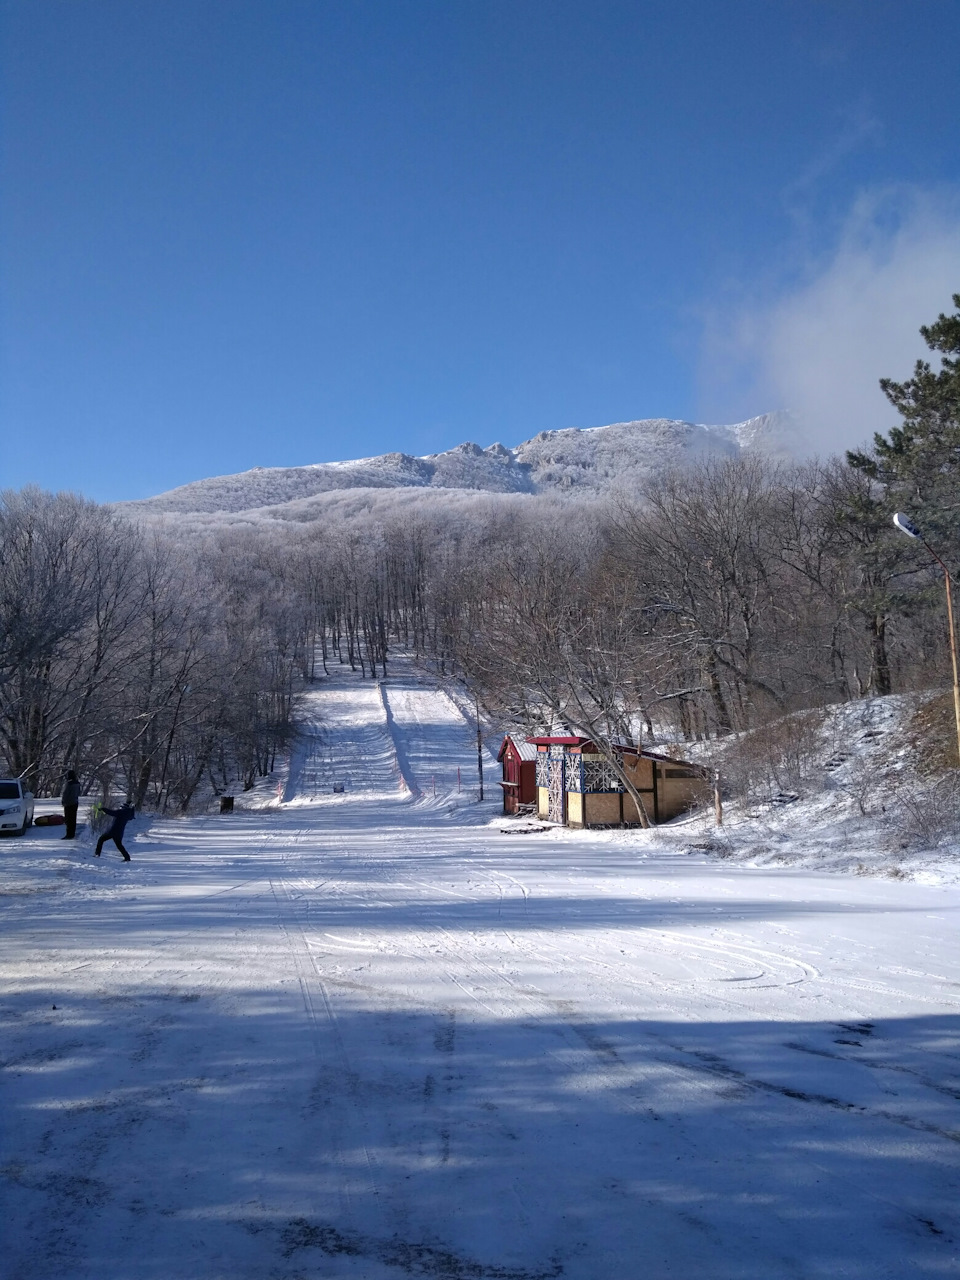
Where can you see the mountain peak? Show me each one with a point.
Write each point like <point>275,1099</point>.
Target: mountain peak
<point>583,460</point>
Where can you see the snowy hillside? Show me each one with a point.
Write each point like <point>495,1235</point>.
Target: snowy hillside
<point>590,460</point>
<point>857,787</point>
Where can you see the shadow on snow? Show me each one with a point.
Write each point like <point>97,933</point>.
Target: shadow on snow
<point>181,1132</point>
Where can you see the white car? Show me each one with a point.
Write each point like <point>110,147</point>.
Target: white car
<point>16,807</point>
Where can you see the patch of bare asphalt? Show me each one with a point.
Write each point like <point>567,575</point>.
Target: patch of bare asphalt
<point>87,1193</point>
<point>876,1065</point>
<point>414,1259</point>
<point>711,1064</point>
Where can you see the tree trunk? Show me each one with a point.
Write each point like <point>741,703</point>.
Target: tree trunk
<point>880,681</point>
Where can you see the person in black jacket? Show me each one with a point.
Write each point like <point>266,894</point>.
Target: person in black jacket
<point>70,799</point>
<point>115,831</point>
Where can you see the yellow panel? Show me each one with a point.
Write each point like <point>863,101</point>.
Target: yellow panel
<point>574,809</point>
<point>602,808</point>
<point>679,794</point>
<point>543,802</point>
<point>630,811</point>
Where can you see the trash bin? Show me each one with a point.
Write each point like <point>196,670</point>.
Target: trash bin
<point>226,804</point>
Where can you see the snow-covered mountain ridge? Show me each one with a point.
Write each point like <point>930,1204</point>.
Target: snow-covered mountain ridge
<point>588,460</point>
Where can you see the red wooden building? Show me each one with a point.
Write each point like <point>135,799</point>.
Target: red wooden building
<point>519,761</point>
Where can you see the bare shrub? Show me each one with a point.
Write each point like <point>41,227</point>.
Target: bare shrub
<point>932,732</point>
<point>780,758</point>
<point>863,783</point>
<point>924,811</point>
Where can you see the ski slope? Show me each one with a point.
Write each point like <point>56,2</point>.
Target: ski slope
<point>380,1034</point>
<point>377,738</point>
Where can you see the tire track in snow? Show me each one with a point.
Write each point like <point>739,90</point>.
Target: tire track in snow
<point>501,997</point>
<point>695,952</point>
<point>491,989</point>
<point>420,1255</point>
<point>879,1066</point>
<point>314,992</point>
<point>540,1003</point>
<point>497,993</point>
<point>784,969</point>
<point>699,1060</point>
<point>703,1063</point>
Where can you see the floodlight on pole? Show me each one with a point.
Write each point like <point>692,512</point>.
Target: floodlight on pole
<point>906,525</point>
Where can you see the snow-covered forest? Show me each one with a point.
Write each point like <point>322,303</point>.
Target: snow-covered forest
<point>702,600</point>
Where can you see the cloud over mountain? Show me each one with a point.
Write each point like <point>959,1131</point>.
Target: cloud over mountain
<point>822,345</point>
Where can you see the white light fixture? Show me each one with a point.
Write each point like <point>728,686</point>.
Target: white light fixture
<point>906,525</point>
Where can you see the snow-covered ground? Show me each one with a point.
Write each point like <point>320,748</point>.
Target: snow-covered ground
<point>382,1034</point>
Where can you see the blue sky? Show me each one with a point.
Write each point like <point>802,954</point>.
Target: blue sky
<point>237,233</point>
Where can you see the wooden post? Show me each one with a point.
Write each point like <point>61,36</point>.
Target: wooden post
<point>911,530</point>
<point>717,798</point>
<point>953,656</point>
<point>479,750</point>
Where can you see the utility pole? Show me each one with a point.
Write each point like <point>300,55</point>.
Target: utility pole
<point>906,525</point>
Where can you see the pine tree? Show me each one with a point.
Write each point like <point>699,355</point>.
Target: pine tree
<point>918,462</point>
<point>915,468</point>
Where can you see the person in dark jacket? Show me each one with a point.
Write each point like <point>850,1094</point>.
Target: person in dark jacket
<point>116,829</point>
<point>70,799</point>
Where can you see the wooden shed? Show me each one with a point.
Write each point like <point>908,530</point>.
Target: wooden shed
<point>519,760</point>
<point>577,787</point>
